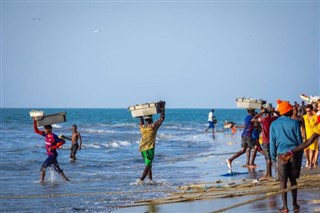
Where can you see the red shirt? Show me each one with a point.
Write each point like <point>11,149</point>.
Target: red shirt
<point>266,122</point>
<point>52,141</point>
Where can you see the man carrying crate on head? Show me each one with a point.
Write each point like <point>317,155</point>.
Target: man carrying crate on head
<point>148,131</point>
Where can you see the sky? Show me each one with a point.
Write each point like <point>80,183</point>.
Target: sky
<point>192,54</point>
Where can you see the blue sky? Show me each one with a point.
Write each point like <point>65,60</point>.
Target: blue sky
<point>195,54</point>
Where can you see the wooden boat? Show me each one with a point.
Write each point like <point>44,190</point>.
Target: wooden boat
<point>309,99</point>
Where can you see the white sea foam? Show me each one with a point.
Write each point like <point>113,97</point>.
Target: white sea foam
<point>57,126</point>
<point>51,175</point>
<point>124,143</point>
<point>98,131</point>
<point>113,144</point>
<point>119,125</point>
<point>92,145</point>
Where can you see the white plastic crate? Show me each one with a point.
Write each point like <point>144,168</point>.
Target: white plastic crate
<point>250,103</point>
<point>145,109</point>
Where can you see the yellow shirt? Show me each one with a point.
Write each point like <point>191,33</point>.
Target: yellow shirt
<point>310,126</point>
<point>317,129</point>
<point>148,140</point>
<point>149,133</point>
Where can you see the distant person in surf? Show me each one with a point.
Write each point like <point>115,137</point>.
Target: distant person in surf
<point>52,143</point>
<point>148,131</point>
<point>211,120</point>
<point>74,142</point>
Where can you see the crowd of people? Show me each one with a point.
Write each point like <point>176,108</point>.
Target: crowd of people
<point>287,132</point>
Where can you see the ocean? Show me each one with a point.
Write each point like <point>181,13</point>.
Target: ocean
<point>103,177</point>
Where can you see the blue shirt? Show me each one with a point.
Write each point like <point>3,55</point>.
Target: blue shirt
<point>255,134</point>
<point>248,126</point>
<point>284,136</point>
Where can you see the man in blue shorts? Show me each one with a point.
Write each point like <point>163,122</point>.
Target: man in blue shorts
<point>211,120</point>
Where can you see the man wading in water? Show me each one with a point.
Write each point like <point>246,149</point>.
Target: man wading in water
<point>52,143</point>
<point>74,140</point>
<point>147,143</point>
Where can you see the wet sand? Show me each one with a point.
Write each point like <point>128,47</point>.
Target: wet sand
<point>308,199</point>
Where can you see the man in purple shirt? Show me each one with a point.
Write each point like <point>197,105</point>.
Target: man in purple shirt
<point>247,143</point>
<point>285,135</point>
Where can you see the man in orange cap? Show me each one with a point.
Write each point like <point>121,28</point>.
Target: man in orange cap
<point>285,135</point>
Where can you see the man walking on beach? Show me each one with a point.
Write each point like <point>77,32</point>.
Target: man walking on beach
<point>285,135</point>
<point>211,120</point>
<point>147,144</point>
<point>52,143</point>
<point>246,144</point>
<point>74,142</point>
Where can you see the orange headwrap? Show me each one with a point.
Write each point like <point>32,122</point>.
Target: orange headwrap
<point>284,107</point>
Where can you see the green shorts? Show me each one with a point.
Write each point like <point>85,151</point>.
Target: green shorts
<point>148,156</point>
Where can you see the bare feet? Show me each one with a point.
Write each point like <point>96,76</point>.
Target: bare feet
<point>229,163</point>
<point>283,210</point>
<point>265,178</point>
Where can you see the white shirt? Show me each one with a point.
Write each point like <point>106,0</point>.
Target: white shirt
<point>210,117</point>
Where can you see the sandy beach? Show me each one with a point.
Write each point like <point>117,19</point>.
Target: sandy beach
<point>308,199</point>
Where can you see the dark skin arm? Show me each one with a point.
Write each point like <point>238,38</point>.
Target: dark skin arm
<point>162,111</point>
<point>141,120</point>
<point>305,144</point>
<point>257,116</point>
<point>303,132</point>
<point>66,137</point>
